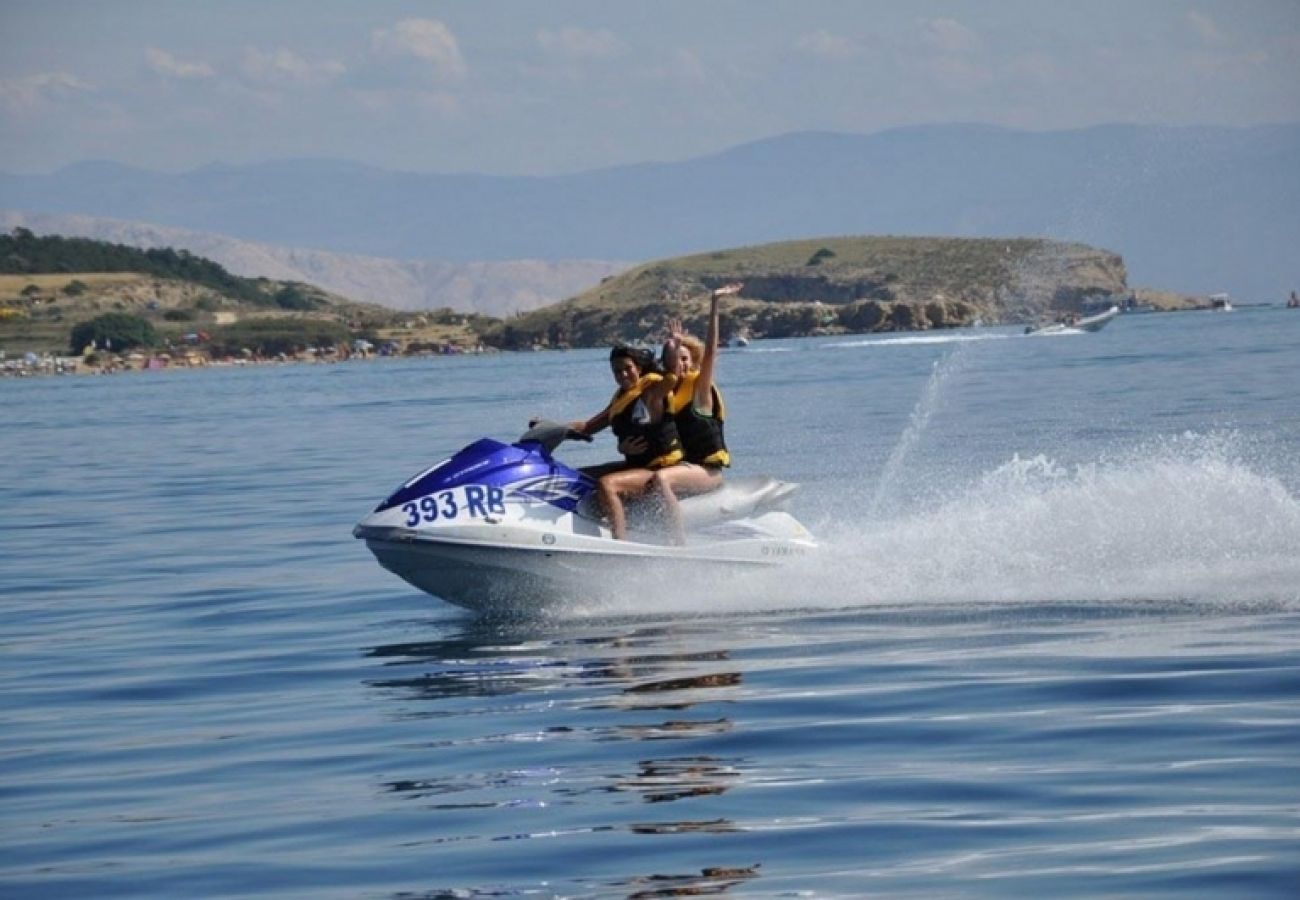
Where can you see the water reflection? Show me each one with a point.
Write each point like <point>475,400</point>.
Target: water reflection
<point>574,699</point>
<point>673,729</point>
<point>655,781</point>
<point>711,881</point>
<point>681,688</point>
<point>675,778</point>
<point>485,661</point>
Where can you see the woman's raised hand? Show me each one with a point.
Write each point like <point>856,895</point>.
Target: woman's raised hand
<point>728,289</point>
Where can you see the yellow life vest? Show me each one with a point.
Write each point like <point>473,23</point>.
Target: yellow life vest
<point>624,398</point>
<point>701,435</point>
<point>664,446</point>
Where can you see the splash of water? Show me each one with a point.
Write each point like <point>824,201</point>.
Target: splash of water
<point>1182,519</point>
<point>912,340</point>
<point>1191,520</point>
<point>943,370</point>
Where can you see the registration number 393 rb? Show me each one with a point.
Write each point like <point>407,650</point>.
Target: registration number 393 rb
<point>473,501</point>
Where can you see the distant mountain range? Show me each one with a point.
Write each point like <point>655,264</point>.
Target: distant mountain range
<point>1196,209</point>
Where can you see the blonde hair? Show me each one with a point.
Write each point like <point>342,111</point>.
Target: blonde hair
<point>695,347</point>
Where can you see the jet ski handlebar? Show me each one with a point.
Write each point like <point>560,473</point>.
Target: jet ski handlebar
<point>550,434</point>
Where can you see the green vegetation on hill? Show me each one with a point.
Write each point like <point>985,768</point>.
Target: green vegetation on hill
<point>62,294</point>
<point>272,337</point>
<point>24,253</point>
<point>118,331</point>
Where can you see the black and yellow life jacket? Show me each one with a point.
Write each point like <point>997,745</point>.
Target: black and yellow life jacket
<point>701,434</point>
<point>628,417</point>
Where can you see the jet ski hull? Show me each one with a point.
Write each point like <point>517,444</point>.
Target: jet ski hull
<point>521,570</point>
<point>477,577</point>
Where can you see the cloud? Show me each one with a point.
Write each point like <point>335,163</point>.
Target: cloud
<point>1206,27</point>
<point>286,68</point>
<point>30,92</point>
<point>426,40</point>
<point>826,45</point>
<point>1035,67</point>
<point>388,102</point>
<point>575,43</point>
<point>949,35</point>
<point>682,65</point>
<point>168,66</point>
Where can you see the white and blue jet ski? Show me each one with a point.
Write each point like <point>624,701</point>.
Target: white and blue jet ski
<point>507,527</point>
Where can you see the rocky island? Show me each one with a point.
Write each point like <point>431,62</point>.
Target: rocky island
<point>840,285</point>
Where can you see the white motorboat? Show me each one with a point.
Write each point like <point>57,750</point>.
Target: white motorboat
<point>1077,325</point>
<point>508,528</point>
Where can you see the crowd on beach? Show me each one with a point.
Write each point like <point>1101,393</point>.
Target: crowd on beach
<point>36,364</point>
<point>105,363</point>
<point>33,364</point>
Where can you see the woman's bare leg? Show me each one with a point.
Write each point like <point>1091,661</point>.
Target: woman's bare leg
<point>612,488</point>
<point>685,480</point>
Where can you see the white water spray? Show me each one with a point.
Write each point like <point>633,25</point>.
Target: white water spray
<point>1193,521</point>
<point>1185,519</point>
<point>943,370</point>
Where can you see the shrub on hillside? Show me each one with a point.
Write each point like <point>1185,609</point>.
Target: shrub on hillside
<point>296,297</point>
<point>271,337</point>
<point>113,331</point>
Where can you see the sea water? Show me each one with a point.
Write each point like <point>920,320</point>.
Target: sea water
<point>1051,645</point>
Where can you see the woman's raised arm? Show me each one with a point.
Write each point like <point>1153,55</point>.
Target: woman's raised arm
<point>704,381</point>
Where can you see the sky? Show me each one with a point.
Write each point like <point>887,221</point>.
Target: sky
<point>540,88</point>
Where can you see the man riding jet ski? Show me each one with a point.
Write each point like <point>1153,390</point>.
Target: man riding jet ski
<point>509,527</point>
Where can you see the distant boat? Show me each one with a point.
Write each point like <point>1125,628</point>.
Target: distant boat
<point>1076,325</point>
<point>1293,302</point>
<point>1221,302</point>
<point>738,341</point>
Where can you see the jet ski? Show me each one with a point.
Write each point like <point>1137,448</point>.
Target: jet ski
<point>508,527</point>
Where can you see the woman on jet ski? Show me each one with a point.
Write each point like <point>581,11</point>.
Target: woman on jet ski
<point>695,405</point>
<point>647,433</point>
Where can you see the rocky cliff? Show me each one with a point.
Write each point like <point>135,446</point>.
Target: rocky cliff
<point>850,284</point>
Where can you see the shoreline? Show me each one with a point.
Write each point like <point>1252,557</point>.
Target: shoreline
<point>31,365</point>
<point>50,366</point>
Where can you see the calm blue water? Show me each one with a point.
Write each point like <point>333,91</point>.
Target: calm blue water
<point>1052,648</point>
